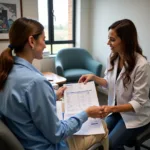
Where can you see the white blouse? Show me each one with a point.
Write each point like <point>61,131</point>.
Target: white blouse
<point>137,92</point>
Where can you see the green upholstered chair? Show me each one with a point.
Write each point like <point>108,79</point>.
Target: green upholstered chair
<point>71,63</point>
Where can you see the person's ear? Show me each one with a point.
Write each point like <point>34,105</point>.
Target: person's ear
<point>31,41</point>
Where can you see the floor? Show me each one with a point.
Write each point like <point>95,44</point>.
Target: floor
<point>103,101</point>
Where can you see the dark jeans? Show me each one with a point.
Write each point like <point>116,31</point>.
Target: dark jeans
<point>118,134</point>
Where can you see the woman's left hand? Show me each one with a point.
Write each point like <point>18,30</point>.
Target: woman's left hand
<point>60,92</point>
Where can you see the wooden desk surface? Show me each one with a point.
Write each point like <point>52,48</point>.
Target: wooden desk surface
<point>54,78</point>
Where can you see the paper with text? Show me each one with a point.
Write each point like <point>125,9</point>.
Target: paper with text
<point>59,110</point>
<point>78,97</point>
<point>90,127</point>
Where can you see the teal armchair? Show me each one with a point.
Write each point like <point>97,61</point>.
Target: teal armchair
<point>71,63</point>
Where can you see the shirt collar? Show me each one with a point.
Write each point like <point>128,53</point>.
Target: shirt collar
<point>23,62</point>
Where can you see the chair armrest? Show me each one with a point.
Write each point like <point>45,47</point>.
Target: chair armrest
<point>59,68</point>
<point>94,66</point>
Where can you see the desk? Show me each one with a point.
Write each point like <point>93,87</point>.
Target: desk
<point>54,78</point>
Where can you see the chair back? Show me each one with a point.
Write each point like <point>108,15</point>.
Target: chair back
<point>8,141</point>
<point>73,57</point>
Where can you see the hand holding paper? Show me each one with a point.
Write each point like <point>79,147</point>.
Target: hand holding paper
<point>60,92</point>
<point>86,78</point>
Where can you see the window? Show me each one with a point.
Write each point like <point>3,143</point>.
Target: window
<point>58,19</point>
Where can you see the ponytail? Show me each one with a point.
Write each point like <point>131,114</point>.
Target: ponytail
<point>6,64</point>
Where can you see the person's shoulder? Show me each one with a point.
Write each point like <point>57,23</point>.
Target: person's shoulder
<point>36,81</point>
<point>29,77</point>
<point>141,61</point>
<point>38,78</point>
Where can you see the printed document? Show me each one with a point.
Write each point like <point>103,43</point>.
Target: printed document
<point>78,97</point>
<point>59,109</point>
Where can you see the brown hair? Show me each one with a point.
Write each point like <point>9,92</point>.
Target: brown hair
<point>19,32</point>
<point>127,32</point>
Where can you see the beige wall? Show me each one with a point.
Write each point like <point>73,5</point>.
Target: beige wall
<point>82,24</point>
<point>105,12</point>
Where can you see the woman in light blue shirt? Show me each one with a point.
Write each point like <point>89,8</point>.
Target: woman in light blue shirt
<point>27,99</point>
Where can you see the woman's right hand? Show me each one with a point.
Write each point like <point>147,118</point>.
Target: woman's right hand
<point>60,92</point>
<point>94,111</point>
<point>86,78</point>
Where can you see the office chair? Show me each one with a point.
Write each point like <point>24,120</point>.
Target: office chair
<point>71,63</point>
<point>137,143</point>
<point>8,141</point>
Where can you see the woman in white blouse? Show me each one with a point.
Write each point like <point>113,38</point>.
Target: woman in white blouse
<point>127,79</point>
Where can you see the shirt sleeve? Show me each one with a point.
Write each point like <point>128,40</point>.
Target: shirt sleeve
<point>140,87</point>
<point>42,107</point>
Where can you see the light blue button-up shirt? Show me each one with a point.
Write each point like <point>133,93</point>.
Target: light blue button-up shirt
<point>28,103</point>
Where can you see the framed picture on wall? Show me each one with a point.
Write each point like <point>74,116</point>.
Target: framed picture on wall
<point>10,10</point>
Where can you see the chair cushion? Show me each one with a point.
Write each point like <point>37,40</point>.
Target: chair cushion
<point>75,74</point>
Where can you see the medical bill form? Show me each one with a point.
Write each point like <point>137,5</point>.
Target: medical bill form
<point>78,97</point>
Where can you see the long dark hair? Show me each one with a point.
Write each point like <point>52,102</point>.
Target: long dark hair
<point>127,32</point>
<point>19,32</point>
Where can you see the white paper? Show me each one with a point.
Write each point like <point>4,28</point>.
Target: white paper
<point>78,97</point>
<point>59,110</point>
<point>90,127</point>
